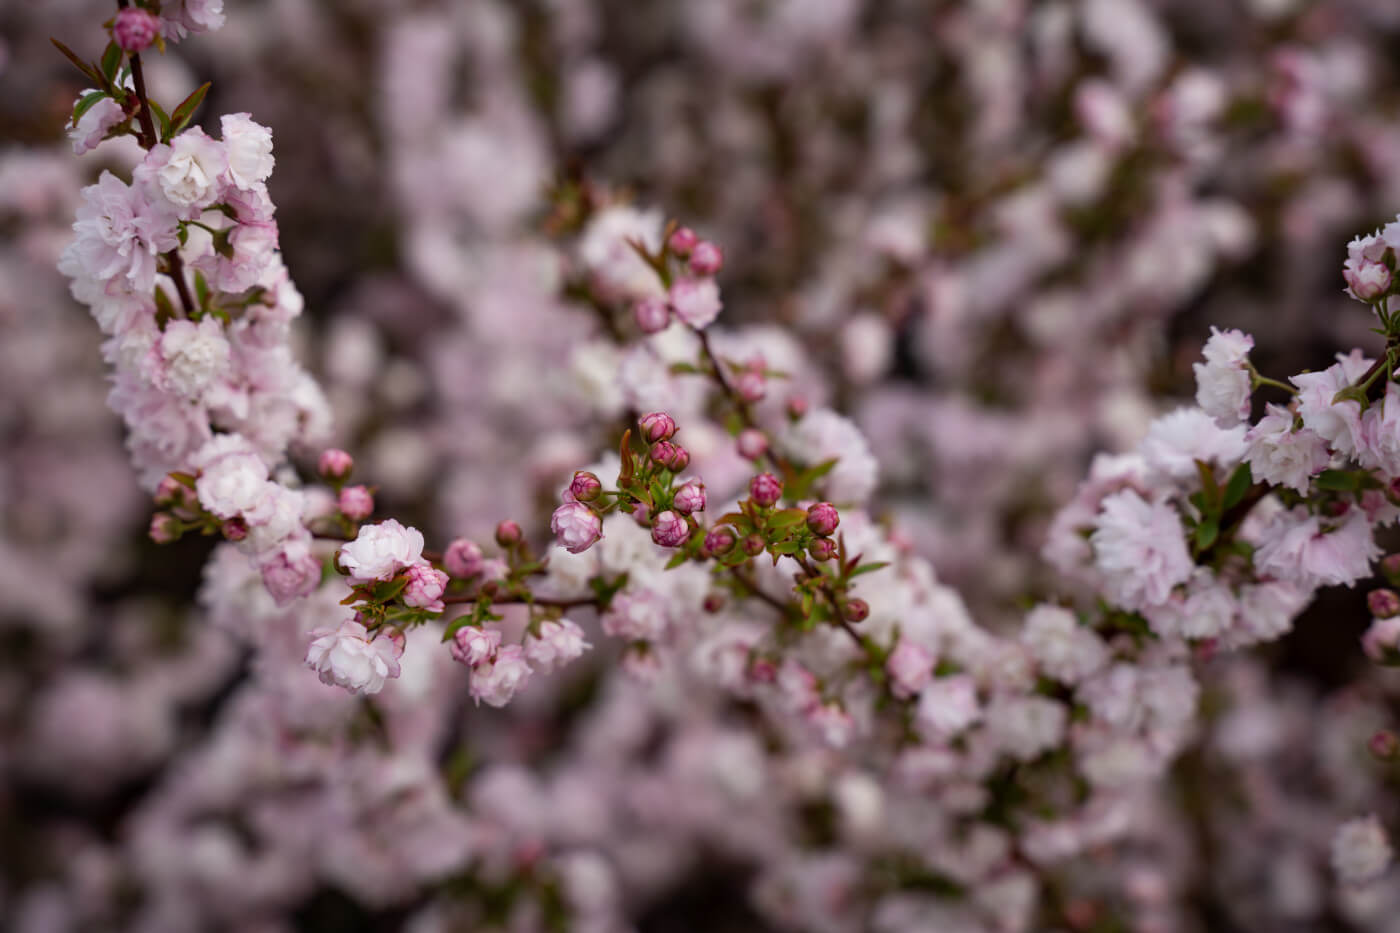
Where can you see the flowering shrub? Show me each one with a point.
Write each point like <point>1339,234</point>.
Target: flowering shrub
<point>569,579</point>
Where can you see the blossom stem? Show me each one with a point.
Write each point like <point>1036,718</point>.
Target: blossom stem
<point>778,463</point>
<point>467,598</point>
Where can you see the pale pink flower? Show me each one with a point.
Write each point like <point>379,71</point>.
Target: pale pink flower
<point>346,657</point>
<point>1339,424</point>
<point>496,681</point>
<point>93,125</point>
<point>1140,548</point>
<point>1381,641</point>
<point>832,723</point>
<point>1361,851</point>
<point>472,646</point>
<point>557,644</point>
<point>577,526</point>
<point>186,171</point>
<point>910,667</point>
<point>1062,648</point>
<point>232,484</point>
<point>249,148</point>
<point>947,706</point>
<point>291,571</point>
<point>669,529</point>
<point>696,301</point>
<point>380,551</point>
<point>1283,456</point>
<point>426,584</point>
<point>636,615</point>
<point>1223,381</point>
<point>1311,551</point>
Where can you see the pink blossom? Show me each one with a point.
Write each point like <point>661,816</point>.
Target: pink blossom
<point>1361,851</point>
<point>232,484</point>
<point>91,128</point>
<point>947,706</point>
<point>335,464</point>
<point>496,681</point>
<point>134,29</point>
<point>576,526</point>
<point>1339,424</point>
<point>462,559</point>
<point>557,644</point>
<point>657,426</point>
<point>186,171</point>
<point>380,551</point>
<point>1223,381</point>
<point>910,667</point>
<point>356,502</point>
<point>426,584</point>
<point>751,443</point>
<point>291,571</point>
<point>669,529</point>
<point>652,314</point>
<point>705,259</point>
<point>832,723</point>
<point>636,615</point>
<point>471,645</point>
<point>1310,551</point>
<point>1381,641</point>
<point>696,301</point>
<point>346,657</point>
<point>690,498</point>
<point>249,147</point>
<point>1140,548</point>
<point>1279,454</point>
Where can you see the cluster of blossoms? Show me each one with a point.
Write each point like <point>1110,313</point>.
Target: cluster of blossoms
<point>796,653</point>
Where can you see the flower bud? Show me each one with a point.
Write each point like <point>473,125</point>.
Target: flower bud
<point>719,541</point>
<point>576,526</point>
<point>751,443</point>
<point>170,492</point>
<point>669,529</point>
<point>1384,745</point>
<point>797,407</point>
<point>754,545</point>
<point>462,559</point>
<point>1381,641</point>
<point>822,549</point>
<point>682,241</point>
<point>1383,603</point>
<point>652,314</point>
<point>657,426</point>
<point>751,386</point>
<point>1336,508</point>
<point>766,489</point>
<point>822,518</point>
<point>1390,568</point>
<point>356,502</point>
<point>235,529</point>
<point>1367,280</point>
<point>714,602</point>
<point>335,465</point>
<point>706,258</point>
<point>508,533</point>
<point>690,498</point>
<point>164,528</point>
<point>856,610</point>
<point>585,486</point>
<point>135,29</point>
<point>672,456</point>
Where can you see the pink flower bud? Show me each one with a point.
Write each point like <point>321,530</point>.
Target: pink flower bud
<point>462,559</point>
<point>472,646</point>
<point>657,426</point>
<point>822,549</point>
<point>719,541</point>
<point>1368,280</point>
<point>652,314</point>
<point>797,407</point>
<point>910,667</point>
<point>1383,603</point>
<point>672,456</point>
<point>856,610</point>
<point>235,529</point>
<point>585,486</point>
<point>356,502</point>
<point>754,545</point>
<point>135,29</point>
<point>335,464</point>
<point>822,518</point>
<point>690,498</point>
<point>706,258</point>
<point>165,528</point>
<point>576,526</point>
<point>426,584</point>
<point>1384,745</point>
<point>669,529</point>
<point>751,443</point>
<point>508,533</point>
<point>751,386</point>
<point>766,489</point>
<point>682,241</point>
<point>1381,642</point>
<point>714,602</point>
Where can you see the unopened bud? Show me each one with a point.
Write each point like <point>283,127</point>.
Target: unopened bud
<point>682,241</point>
<point>1336,508</point>
<point>714,602</point>
<point>508,534</point>
<point>356,502</point>
<point>751,386</point>
<point>706,258</point>
<point>719,541</point>
<point>1384,745</point>
<point>235,529</point>
<point>1390,567</point>
<point>690,498</point>
<point>754,545</point>
<point>585,486</point>
<point>335,465</point>
<point>673,457</point>
<point>751,443</point>
<point>1383,603</point>
<point>669,529</point>
<point>856,610</point>
<point>165,528</point>
<point>134,29</point>
<point>822,518</point>
<point>652,315</point>
<point>657,426</point>
<point>766,489</point>
<point>797,407</point>
<point>462,559</point>
<point>170,492</point>
<point>822,549</point>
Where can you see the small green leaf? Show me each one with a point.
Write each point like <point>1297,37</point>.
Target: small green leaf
<point>201,288</point>
<point>684,368</point>
<point>111,61</point>
<point>163,119</point>
<point>1239,484</point>
<point>868,568</point>
<point>787,518</point>
<point>78,63</point>
<point>677,560</point>
<point>185,110</point>
<point>1206,533</point>
<point>88,101</point>
<point>1337,481</point>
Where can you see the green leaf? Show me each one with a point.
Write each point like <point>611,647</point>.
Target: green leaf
<point>165,311</point>
<point>88,101</point>
<point>163,119</point>
<point>78,63</point>
<point>388,589</point>
<point>683,368</point>
<point>201,289</point>
<point>186,109</point>
<point>677,560</point>
<point>111,61</point>
<point>1206,533</point>
<point>1337,481</point>
<point>1239,484</point>
<point>868,568</point>
<point>787,518</point>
